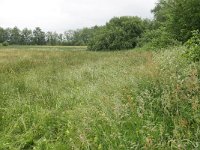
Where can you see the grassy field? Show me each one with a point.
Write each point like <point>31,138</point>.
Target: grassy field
<point>70,98</point>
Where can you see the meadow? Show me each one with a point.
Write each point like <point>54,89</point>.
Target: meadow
<point>71,98</point>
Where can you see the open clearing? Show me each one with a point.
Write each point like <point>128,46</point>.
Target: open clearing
<point>70,98</point>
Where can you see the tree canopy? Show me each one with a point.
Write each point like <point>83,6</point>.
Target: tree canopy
<point>119,33</point>
<point>180,17</point>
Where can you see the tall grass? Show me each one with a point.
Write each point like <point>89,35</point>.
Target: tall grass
<point>66,99</point>
<point>168,101</point>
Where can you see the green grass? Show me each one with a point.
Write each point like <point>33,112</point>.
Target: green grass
<point>70,98</point>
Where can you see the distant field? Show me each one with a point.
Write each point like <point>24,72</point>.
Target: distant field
<point>54,48</point>
<point>70,98</point>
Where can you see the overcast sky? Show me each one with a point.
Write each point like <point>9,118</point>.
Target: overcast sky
<point>61,15</point>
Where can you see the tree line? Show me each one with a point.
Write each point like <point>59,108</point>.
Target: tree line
<point>15,36</point>
<point>173,23</point>
<point>118,33</point>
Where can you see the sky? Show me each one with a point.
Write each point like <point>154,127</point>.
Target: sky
<point>62,15</point>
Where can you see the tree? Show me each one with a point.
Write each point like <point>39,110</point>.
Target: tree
<point>119,33</point>
<point>15,36</point>
<point>82,37</point>
<point>26,37</point>
<point>2,32</point>
<point>157,39</point>
<point>39,37</point>
<point>51,38</point>
<point>185,17</point>
<point>60,39</point>
<point>7,35</point>
<point>180,17</point>
<point>161,13</point>
<point>78,37</point>
<point>68,37</point>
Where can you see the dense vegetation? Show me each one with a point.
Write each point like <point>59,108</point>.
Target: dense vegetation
<point>193,47</point>
<point>173,24</point>
<point>179,17</point>
<point>15,36</point>
<point>118,33</point>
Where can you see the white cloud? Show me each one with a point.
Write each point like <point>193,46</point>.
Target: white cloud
<point>60,15</point>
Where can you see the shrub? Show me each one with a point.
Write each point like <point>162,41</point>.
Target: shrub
<point>119,33</point>
<point>156,39</point>
<point>5,43</point>
<point>193,47</point>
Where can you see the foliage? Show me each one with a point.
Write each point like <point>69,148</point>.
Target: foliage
<point>119,33</point>
<point>82,37</point>
<point>53,38</point>
<point>156,39</point>
<point>26,37</point>
<point>2,35</point>
<point>79,37</point>
<point>185,16</point>
<point>173,22</point>
<point>161,13</point>
<point>5,43</point>
<point>5,34</point>
<point>15,36</point>
<point>193,47</point>
<point>38,36</point>
<point>98,41</point>
<point>180,17</point>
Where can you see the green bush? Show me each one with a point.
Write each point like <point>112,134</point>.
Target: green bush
<point>5,43</point>
<point>119,33</point>
<point>193,47</point>
<point>156,39</point>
